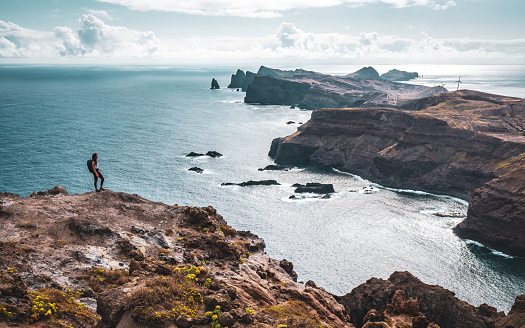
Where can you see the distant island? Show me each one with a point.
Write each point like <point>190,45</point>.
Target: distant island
<point>112,259</point>
<point>311,90</point>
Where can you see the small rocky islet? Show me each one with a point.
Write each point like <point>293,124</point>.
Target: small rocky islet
<point>112,259</point>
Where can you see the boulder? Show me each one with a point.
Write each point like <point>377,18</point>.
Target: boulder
<point>275,168</point>
<point>184,321</point>
<point>213,153</point>
<point>56,190</point>
<point>316,188</point>
<point>226,319</point>
<point>196,169</point>
<point>436,303</point>
<point>210,153</point>
<point>252,183</point>
<point>193,154</point>
<point>288,267</point>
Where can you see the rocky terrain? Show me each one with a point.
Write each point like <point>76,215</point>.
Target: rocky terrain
<point>403,295</point>
<point>310,90</point>
<point>464,143</point>
<point>112,259</point>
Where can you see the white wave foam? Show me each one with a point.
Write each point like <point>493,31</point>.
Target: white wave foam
<point>493,251</point>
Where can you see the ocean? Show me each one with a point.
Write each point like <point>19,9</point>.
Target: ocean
<point>143,120</point>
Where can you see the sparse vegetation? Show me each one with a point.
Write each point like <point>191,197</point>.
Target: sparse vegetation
<point>293,314</point>
<point>214,316</point>
<point>164,298</point>
<point>3,312</point>
<point>510,161</point>
<point>59,309</point>
<point>100,279</point>
<point>227,230</point>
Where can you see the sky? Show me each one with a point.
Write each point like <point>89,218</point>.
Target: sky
<point>268,31</point>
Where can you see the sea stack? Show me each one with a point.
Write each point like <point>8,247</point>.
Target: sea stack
<point>214,84</point>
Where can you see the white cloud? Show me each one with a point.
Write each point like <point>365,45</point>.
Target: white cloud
<point>68,43</point>
<point>293,42</point>
<point>448,4</point>
<point>102,14</point>
<point>262,9</point>
<point>287,34</point>
<point>99,39</point>
<point>16,41</point>
<point>94,38</point>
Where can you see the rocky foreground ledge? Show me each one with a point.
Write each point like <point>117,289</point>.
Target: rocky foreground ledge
<point>465,143</point>
<point>112,259</point>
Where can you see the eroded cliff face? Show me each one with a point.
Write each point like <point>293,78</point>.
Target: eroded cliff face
<point>452,143</point>
<point>496,215</point>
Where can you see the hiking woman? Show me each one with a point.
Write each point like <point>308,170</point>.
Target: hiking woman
<point>96,172</point>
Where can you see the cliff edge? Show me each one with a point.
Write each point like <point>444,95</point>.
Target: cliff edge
<point>112,259</point>
<point>465,143</point>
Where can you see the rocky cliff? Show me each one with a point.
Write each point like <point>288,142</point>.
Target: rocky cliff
<point>242,80</point>
<point>462,143</point>
<point>237,79</point>
<point>112,259</point>
<point>312,91</point>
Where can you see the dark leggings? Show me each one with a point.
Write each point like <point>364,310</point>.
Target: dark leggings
<point>96,178</point>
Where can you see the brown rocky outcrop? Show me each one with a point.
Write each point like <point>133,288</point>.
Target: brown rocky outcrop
<point>516,316</point>
<point>437,304</point>
<point>112,259</point>
<point>451,143</point>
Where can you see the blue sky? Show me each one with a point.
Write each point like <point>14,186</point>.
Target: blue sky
<point>327,31</point>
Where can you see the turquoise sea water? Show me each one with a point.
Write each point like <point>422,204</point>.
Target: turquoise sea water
<point>144,120</point>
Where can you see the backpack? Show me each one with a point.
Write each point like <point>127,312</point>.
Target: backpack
<point>90,165</point>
